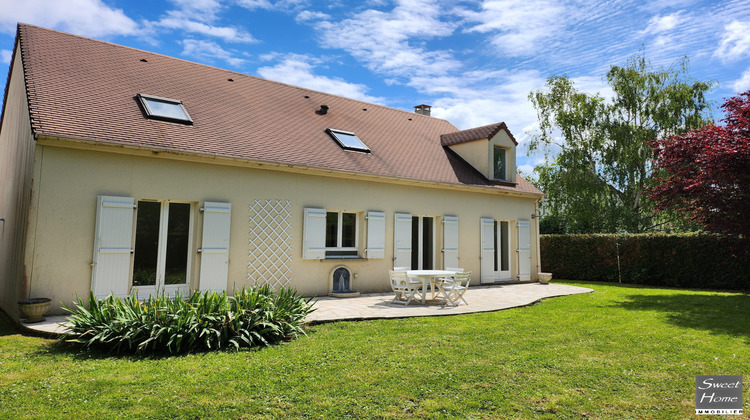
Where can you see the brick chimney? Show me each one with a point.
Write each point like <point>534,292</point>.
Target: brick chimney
<point>422,109</point>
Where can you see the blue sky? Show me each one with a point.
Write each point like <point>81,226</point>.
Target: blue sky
<point>475,62</point>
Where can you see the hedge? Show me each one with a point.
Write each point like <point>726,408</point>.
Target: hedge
<point>701,261</point>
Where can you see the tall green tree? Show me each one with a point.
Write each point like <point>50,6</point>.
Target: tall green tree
<point>598,155</point>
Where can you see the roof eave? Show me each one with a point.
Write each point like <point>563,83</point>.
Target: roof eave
<point>164,153</point>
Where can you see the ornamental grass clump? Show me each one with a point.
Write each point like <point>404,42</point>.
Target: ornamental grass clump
<point>205,321</point>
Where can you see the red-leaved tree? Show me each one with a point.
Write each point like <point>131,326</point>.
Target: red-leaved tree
<point>705,173</point>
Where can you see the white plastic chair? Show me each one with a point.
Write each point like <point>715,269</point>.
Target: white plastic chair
<point>453,289</point>
<point>404,288</point>
<point>454,269</point>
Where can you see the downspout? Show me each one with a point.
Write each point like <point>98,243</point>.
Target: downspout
<point>538,235</point>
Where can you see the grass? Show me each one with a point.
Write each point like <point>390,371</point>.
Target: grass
<point>621,352</point>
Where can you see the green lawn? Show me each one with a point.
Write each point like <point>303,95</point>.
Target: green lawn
<point>621,352</point>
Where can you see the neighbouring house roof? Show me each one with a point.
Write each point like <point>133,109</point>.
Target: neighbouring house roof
<point>84,89</point>
<point>484,132</point>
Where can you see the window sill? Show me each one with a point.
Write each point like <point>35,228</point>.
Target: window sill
<point>504,182</point>
<point>343,258</point>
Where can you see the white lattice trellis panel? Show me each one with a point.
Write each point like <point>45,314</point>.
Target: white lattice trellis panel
<point>270,243</point>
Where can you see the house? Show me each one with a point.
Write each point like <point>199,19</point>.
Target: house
<point>124,170</point>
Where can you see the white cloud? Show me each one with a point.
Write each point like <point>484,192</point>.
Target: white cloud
<point>201,10</point>
<point>735,43</point>
<point>255,4</point>
<point>228,34</point>
<point>518,27</point>
<point>5,56</point>
<point>307,15</point>
<point>209,50</point>
<point>593,85</point>
<point>390,43</point>
<point>296,70</point>
<point>199,17</point>
<point>661,24</point>
<point>658,5</point>
<point>502,97</point>
<point>743,83</point>
<point>84,17</point>
<point>284,5</point>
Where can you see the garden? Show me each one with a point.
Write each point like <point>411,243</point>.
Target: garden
<point>624,351</point>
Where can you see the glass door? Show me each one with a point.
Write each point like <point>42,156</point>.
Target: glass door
<point>162,248</point>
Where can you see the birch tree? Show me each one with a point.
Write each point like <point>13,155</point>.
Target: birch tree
<point>597,149</point>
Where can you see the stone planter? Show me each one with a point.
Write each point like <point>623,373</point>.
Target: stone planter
<point>544,278</point>
<point>34,309</point>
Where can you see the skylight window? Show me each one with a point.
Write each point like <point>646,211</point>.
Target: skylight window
<point>164,109</point>
<point>348,140</point>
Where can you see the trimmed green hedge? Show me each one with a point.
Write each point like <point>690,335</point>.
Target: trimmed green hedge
<point>701,261</point>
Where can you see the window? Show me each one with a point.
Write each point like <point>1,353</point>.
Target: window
<point>422,243</point>
<point>147,245</point>
<point>495,250</point>
<point>164,109</point>
<point>500,163</point>
<point>341,234</point>
<point>348,140</point>
<point>162,246</point>
<point>502,248</point>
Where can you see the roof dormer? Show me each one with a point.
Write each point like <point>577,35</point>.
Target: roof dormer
<point>490,149</point>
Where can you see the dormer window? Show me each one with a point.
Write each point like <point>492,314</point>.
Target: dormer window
<point>348,140</point>
<point>164,109</point>
<point>500,160</point>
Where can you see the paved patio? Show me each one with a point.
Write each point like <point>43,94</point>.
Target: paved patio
<point>378,305</point>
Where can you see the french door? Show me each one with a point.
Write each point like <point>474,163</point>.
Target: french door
<point>495,238</point>
<point>422,243</point>
<point>163,235</point>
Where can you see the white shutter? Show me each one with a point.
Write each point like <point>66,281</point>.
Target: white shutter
<point>314,235</point>
<point>402,240</point>
<point>375,234</point>
<point>524,251</point>
<point>215,246</point>
<point>112,246</point>
<point>487,250</point>
<point>450,241</point>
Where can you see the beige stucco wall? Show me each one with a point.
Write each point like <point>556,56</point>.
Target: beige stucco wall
<point>16,163</point>
<point>70,181</point>
<point>479,154</point>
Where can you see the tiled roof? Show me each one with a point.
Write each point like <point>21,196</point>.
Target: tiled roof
<point>484,132</point>
<point>86,89</point>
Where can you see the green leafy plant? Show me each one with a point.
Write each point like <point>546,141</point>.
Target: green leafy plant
<point>205,321</point>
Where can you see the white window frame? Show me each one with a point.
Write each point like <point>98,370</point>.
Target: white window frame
<point>503,177</point>
<point>330,252</point>
<point>169,289</point>
<point>502,275</point>
<point>361,147</point>
<point>420,241</point>
<point>150,113</point>
<point>491,254</point>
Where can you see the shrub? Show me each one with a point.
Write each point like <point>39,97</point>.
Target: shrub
<point>702,261</point>
<point>205,321</point>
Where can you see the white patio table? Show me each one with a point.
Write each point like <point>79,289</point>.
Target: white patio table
<point>428,276</point>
